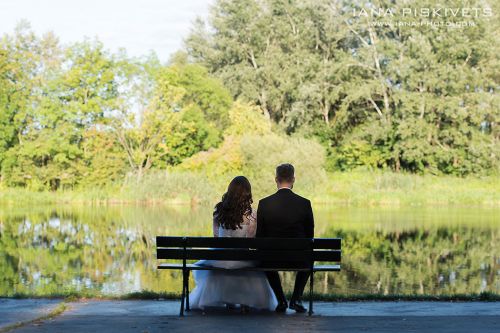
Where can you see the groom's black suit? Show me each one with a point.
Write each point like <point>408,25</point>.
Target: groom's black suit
<point>285,215</point>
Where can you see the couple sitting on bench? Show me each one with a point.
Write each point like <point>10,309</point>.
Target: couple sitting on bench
<point>282,215</point>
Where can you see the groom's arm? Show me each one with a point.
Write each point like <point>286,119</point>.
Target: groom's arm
<point>260,221</point>
<point>309,221</point>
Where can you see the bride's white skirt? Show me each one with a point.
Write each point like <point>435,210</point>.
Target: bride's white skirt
<point>217,288</point>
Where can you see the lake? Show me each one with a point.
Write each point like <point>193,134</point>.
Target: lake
<point>111,250</point>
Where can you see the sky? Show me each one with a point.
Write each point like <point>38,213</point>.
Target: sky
<point>136,25</point>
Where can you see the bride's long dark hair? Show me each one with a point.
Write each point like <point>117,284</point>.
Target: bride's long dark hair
<point>235,203</point>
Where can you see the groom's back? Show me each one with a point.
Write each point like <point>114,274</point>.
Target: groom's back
<point>285,214</point>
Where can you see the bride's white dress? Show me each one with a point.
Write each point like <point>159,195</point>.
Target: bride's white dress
<point>217,288</point>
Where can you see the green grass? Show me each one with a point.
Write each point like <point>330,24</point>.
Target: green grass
<point>151,295</point>
<point>399,189</point>
<point>358,188</point>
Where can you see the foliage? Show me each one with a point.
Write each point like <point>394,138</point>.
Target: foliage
<point>66,97</point>
<point>250,148</point>
<point>104,160</point>
<point>418,98</point>
<point>256,157</point>
<point>247,119</point>
<point>227,159</point>
<point>261,155</point>
<point>78,116</point>
<point>181,112</point>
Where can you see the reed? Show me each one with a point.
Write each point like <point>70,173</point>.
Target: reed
<point>357,188</point>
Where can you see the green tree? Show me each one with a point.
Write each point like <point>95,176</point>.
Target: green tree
<point>419,98</point>
<point>430,91</point>
<point>20,55</point>
<point>69,95</point>
<point>182,111</point>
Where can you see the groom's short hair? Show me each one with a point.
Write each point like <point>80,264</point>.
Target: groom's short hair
<point>285,173</point>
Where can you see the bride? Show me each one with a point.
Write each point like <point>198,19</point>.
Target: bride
<point>233,217</point>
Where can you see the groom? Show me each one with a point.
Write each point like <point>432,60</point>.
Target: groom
<point>286,215</point>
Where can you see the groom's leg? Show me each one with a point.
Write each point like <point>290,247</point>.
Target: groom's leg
<point>300,284</point>
<point>275,282</point>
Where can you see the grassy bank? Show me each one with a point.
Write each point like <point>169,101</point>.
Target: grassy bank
<point>353,188</point>
<point>151,295</point>
<point>393,189</point>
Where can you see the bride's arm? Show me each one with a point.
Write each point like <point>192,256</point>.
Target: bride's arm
<point>252,224</point>
<point>215,227</point>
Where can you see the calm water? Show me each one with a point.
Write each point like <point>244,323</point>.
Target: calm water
<point>111,250</point>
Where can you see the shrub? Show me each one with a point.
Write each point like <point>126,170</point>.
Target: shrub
<point>256,157</point>
<point>172,185</point>
<point>261,155</point>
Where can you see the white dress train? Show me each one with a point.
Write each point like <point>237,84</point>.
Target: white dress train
<point>218,288</point>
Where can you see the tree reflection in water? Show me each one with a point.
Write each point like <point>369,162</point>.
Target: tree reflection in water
<point>111,250</point>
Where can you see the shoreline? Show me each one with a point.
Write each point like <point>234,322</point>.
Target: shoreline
<point>150,295</point>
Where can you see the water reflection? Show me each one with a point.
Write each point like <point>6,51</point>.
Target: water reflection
<point>111,250</point>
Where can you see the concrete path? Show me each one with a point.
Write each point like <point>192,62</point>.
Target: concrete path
<point>13,311</point>
<point>162,316</point>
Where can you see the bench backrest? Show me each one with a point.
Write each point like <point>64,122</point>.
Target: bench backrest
<point>268,249</point>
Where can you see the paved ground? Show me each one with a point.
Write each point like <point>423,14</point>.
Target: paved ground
<point>162,316</point>
<point>21,310</point>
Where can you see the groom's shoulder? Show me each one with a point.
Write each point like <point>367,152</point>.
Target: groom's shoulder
<point>301,198</point>
<point>267,199</point>
<point>292,195</point>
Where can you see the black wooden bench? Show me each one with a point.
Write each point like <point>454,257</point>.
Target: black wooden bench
<point>258,249</point>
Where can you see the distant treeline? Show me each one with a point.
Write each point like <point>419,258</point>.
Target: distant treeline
<point>305,81</point>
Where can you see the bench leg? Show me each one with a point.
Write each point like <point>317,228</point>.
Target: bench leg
<point>187,290</point>
<point>311,286</point>
<point>183,293</point>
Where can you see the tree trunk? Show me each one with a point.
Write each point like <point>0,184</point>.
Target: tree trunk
<point>263,105</point>
<point>326,109</point>
<point>376,60</point>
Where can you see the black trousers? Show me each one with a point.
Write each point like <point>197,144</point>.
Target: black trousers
<point>298,290</point>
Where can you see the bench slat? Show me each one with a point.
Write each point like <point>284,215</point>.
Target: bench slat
<point>324,255</point>
<point>245,254</point>
<point>235,242</point>
<point>208,268</point>
<point>235,254</point>
<point>192,267</point>
<point>328,243</point>
<point>326,268</point>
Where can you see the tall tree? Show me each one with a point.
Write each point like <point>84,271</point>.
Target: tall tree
<point>20,56</point>
<point>69,96</point>
<point>181,111</point>
<point>383,90</point>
